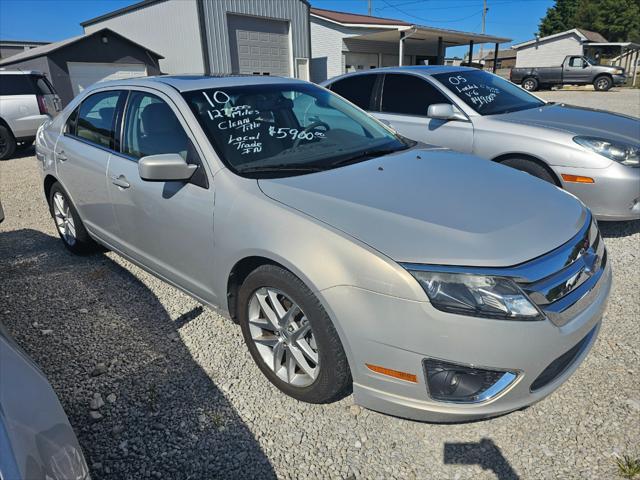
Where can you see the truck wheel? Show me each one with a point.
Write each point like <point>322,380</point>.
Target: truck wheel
<point>602,84</point>
<point>530,167</point>
<point>530,84</point>
<point>291,337</point>
<point>7,143</point>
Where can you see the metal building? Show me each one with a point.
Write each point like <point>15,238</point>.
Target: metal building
<point>264,37</point>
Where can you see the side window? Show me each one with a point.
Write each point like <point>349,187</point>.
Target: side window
<point>576,62</point>
<point>70,126</point>
<point>16,84</point>
<point>357,89</point>
<point>96,118</point>
<point>151,128</point>
<point>409,94</point>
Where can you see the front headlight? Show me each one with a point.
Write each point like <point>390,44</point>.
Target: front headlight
<point>623,153</point>
<point>477,295</point>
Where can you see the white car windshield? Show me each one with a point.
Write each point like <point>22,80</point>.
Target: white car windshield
<point>487,94</point>
<point>287,129</point>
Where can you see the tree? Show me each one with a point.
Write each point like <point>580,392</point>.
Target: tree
<point>616,20</point>
<point>559,18</point>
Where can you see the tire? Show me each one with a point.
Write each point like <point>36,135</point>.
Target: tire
<point>530,84</point>
<point>68,224</point>
<point>602,83</point>
<point>7,143</point>
<point>332,379</point>
<point>530,167</point>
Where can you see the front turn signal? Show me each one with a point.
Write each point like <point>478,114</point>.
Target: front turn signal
<point>407,377</point>
<point>577,178</point>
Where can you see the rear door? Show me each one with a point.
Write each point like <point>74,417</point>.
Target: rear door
<point>166,226</point>
<point>82,156</point>
<point>404,104</point>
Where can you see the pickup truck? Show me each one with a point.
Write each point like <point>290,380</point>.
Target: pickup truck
<point>575,70</point>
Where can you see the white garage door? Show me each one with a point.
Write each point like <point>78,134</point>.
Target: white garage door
<point>84,74</point>
<point>259,46</point>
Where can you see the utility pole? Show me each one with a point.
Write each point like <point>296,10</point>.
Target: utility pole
<point>370,6</point>
<point>484,17</point>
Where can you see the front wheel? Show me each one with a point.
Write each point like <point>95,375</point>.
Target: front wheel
<point>602,84</point>
<point>70,228</point>
<point>530,167</point>
<point>7,143</point>
<point>291,337</point>
<point>530,84</point>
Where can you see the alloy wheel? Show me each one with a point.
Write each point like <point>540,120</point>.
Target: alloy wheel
<point>602,83</point>
<point>64,219</point>
<point>283,336</point>
<point>528,85</point>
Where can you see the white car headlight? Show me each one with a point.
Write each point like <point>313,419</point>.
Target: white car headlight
<point>477,295</point>
<point>623,153</point>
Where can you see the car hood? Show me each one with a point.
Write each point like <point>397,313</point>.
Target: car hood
<point>437,207</point>
<point>578,121</point>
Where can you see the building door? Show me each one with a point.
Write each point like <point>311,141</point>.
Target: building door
<point>83,74</point>
<point>360,61</point>
<point>259,46</point>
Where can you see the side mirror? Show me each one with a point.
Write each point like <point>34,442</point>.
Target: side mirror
<point>445,111</point>
<point>165,167</point>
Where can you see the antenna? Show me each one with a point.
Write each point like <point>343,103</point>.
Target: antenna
<point>370,2</point>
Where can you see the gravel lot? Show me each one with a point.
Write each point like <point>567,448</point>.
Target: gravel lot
<point>183,398</point>
<point>621,100</point>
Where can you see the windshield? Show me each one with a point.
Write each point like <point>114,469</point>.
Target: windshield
<point>487,94</point>
<point>287,129</point>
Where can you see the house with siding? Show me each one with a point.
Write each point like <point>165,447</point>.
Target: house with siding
<point>342,42</point>
<point>551,50</point>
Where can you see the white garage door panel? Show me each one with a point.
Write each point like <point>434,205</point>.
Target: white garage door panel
<point>84,74</point>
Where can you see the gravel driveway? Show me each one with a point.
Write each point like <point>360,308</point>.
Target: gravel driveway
<point>183,399</point>
<point>621,100</point>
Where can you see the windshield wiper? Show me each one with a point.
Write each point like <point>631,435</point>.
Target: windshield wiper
<point>365,154</point>
<point>281,167</point>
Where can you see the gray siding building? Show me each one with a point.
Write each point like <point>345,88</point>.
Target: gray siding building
<point>73,64</point>
<point>13,47</point>
<point>263,37</point>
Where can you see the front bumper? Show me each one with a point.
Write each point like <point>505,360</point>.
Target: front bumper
<point>399,334</point>
<point>619,79</point>
<point>614,195</point>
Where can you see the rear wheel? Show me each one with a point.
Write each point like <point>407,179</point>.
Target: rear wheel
<point>530,167</point>
<point>70,228</point>
<point>530,84</point>
<point>7,143</point>
<point>291,337</point>
<point>602,84</point>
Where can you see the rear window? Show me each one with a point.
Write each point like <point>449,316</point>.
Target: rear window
<point>357,89</point>
<point>19,84</point>
<point>16,85</point>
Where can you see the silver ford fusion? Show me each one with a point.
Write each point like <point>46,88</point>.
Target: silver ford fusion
<point>436,286</point>
<point>593,154</point>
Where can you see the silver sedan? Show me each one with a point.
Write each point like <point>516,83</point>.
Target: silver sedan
<point>593,154</point>
<point>436,286</point>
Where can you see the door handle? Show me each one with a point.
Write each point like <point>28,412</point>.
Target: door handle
<point>120,181</point>
<point>61,156</point>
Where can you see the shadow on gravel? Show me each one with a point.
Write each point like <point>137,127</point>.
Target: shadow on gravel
<point>619,229</point>
<point>168,420</point>
<point>484,453</point>
<point>25,152</point>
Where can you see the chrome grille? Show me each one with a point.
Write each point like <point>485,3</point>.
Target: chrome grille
<point>566,289</point>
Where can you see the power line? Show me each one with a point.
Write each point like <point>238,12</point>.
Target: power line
<point>431,20</point>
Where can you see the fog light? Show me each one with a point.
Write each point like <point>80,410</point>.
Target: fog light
<point>449,382</point>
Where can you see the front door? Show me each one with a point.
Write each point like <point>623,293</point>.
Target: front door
<point>166,226</point>
<point>82,155</point>
<point>405,102</point>
<point>574,70</point>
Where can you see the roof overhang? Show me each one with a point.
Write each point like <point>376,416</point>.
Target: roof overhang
<point>631,45</point>
<point>417,33</point>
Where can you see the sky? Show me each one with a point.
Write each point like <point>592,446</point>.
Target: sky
<point>52,20</point>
